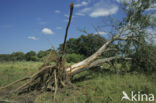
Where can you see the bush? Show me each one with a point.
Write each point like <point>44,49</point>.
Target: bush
<point>34,58</point>
<point>17,56</point>
<point>84,45</point>
<point>74,57</point>
<point>144,60</point>
<point>31,56</point>
<point>5,57</point>
<point>41,54</point>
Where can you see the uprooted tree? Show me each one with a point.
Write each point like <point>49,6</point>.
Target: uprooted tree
<point>129,31</point>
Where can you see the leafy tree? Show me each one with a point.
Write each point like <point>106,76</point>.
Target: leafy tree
<point>140,49</point>
<point>5,57</point>
<point>31,56</point>
<point>17,56</point>
<point>144,59</point>
<point>74,57</point>
<point>41,54</point>
<point>84,45</point>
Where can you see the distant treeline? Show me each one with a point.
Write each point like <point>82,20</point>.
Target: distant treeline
<point>76,48</point>
<point>20,56</point>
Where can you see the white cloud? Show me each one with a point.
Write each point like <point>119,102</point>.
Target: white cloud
<point>80,14</point>
<point>47,31</point>
<point>57,11</point>
<point>125,1</point>
<point>83,12</point>
<point>32,37</point>
<point>58,28</point>
<point>100,8</point>
<point>83,3</point>
<point>101,33</point>
<point>104,11</point>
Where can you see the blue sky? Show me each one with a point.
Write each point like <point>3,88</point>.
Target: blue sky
<point>37,24</point>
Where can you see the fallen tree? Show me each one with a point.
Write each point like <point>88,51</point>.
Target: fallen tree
<point>53,77</point>
<point>58,76</point>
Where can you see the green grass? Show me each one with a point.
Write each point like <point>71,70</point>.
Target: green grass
<point>103,87</point>
<point>91,86</point>
<point>11,71</point>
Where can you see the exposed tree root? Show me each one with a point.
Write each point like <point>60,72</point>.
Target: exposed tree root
<point>48,77</point>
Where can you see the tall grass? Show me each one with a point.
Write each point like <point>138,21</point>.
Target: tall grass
<point>11,71</point>
<point>103,87</point>
<point>90,86</point>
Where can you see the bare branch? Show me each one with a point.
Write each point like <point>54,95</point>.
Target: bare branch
<point>76,67</point>
<point>101,61</point>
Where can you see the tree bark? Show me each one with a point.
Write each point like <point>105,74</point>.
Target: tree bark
<point>81,65</point>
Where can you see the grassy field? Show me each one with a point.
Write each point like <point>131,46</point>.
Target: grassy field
<point>11,71</point>
<point>90,87</point>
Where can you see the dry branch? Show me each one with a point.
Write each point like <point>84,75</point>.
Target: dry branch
<point>78,66</point>
<point>101,61</point>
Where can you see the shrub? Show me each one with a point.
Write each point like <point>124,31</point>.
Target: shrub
<point>17,56</point>
<point>31,56</point>
<point>74,57</point>
<point>144,59</point>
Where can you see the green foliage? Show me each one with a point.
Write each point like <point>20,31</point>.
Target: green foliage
<point>31,56</point>
<point>17,56</point>
<point>41,54</point>
<point>144,59</point>
<point>74,57</point>
<point>5,57</point>
<point>84,45</point>
<point>140,50</point>
<point>136,15</point>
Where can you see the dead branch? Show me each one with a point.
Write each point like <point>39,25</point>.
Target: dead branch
<point>76,67</point>
<point>66,33</point>
<point>101,61</point>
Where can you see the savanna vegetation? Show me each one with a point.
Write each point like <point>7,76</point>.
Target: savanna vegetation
<point>92,86</point>
<point>88,69</point>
